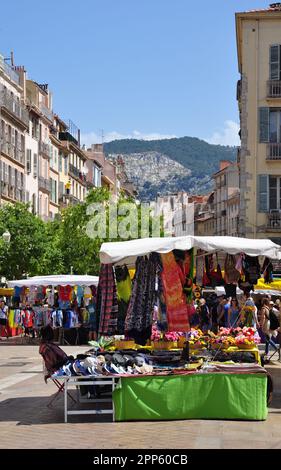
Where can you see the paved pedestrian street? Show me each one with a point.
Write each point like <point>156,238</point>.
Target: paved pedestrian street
<point>26,422</point>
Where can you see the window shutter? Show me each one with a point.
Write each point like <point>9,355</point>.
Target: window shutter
<point>275,62</point>
<point>28,160</point>
<point>264,124</point>
<point>6,173</point>
<point>35,165</point>
<point>13,136</point>
<point>262,193</point>
<point>61,189</point>
<point>14,177</point>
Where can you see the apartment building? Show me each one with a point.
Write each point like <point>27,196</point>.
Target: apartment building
<point>204,217</point>
<point>14,125</point>
<point>259,100</point>
<point>226,185</point>
<point>101,171</point>
<point>42,162</point>
<point>39,103</point>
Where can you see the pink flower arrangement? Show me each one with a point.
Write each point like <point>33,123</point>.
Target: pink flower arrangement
<point>224,331</point>
<point>158,336</point>
<point>194,334</point>
<point>171,336</point>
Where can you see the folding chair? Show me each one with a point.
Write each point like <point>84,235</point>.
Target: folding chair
<point>58,384</point>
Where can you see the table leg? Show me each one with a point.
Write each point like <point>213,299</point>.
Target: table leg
<point>65,400</point>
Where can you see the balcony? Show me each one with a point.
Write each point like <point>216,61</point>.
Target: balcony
<point>9,71</point>
<point>44,184</point>
<point>274,220</point>
<point>67,199</point>
<point>46,112</point>
<point>273,151</point>
<point>13,106</point>
<point>13,151</point>
<point>44,149</point>
<point>77,173</point>
<point>274,89</point>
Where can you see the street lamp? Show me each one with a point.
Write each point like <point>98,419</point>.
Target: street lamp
<point>6,236</point>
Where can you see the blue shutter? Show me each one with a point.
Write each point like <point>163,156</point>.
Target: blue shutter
<point>262,193</point>
<point>264,124</point>
<point>275,62</point>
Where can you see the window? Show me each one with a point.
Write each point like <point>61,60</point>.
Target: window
<point>275,62</point>
<point>60,162</point>
<point>275,125</point>
<point>65,166</point>
<point>274,192</point>
<point>270,125</point>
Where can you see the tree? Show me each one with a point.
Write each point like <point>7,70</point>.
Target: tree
<point>28,241</point>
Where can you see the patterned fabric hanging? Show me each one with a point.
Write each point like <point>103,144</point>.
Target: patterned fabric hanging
<point>177,313</point>
<point>140,309</point>
<point>107,306</point>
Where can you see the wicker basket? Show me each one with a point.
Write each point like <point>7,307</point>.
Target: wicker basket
<point>181,341</point>
<point>164,345</point>
<point>125,344</point>
<point>246,346</point>
<point>196,346</point>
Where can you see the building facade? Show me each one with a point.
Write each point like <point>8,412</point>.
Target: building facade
<point>226,185</point>
<point>14,125</point>
<point>259,100</point>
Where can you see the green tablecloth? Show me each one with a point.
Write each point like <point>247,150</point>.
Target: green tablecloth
<point>202,396</point>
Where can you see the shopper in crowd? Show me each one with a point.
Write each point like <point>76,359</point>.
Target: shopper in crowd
<point>3,319</point>
<point>204,314</point>
<point>195,318</point>
<point>220,311</point>
<point>54,357</point>
<point>270,331</point>
<point>233,314</point>
<point>250,315</point>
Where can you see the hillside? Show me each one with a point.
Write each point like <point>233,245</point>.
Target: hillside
<point>201,158</point>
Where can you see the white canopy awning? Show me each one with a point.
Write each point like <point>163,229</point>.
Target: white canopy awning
<point>127,252</point>
<point>60,280</point>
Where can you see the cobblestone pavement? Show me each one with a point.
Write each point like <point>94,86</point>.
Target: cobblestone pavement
<point>26,422</point>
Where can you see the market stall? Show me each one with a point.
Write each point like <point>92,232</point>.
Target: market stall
<point>67,302</point>
<point>171,261</point>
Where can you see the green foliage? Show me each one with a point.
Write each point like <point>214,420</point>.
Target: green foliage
<point>57,247</point>
<point>199,156</point>
<point>28,241</point>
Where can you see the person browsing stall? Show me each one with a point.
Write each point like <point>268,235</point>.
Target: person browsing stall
<point>3,319</point>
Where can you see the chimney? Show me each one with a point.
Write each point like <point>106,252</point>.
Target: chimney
<point>224,164</point>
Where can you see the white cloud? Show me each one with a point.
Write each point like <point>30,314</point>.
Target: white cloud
<point>92,137</point>
<point>227,136</point>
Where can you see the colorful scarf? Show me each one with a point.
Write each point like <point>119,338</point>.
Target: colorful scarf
<point>177,314</point>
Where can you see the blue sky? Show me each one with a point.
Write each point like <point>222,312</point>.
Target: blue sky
<point>144,68</point>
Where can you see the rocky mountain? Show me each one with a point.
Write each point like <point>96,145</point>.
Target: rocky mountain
<point>169,165</point>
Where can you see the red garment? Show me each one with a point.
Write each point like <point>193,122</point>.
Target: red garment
<point>28,317</point>
<point>177,312</point>
<point>65,293</point>
<point>54,357</point>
